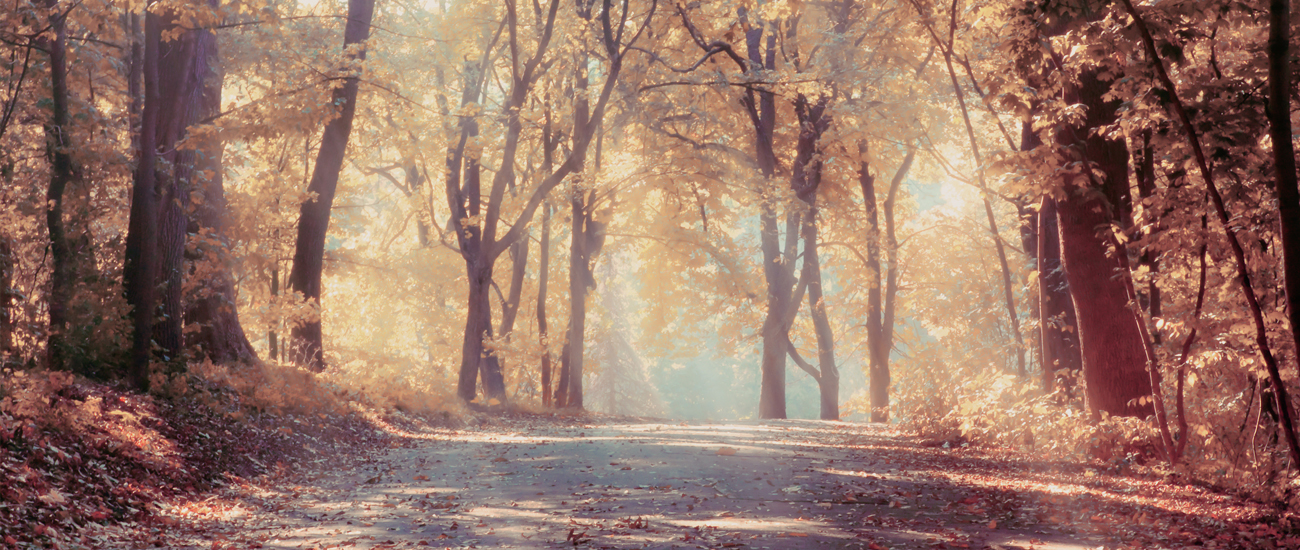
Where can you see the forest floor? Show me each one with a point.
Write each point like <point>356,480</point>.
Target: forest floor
<point>594,482</point>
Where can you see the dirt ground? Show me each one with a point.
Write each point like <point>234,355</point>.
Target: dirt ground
<point>616,484</point>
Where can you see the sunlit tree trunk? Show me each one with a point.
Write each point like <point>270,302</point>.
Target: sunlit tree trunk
<point>1114,356</point>
<point>306,346</point>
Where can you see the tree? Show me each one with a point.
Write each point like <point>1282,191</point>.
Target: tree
<point>880,314</point>
<point>141,261</point>
<point>478,239</point>
<point>213,307</point>
<point>307,346</point>
<point>59,146</point>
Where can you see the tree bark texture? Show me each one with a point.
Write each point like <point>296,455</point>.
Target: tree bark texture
<point>1114,356</point>
<point>307,345</point>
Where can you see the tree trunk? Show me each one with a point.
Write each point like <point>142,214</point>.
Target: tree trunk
<point>141,261</point>
<point>829,381</point>
<point>543,276</point>
<point>518,268</point>
<point>309,249</point>
<point>6,298</point>
<point>478,322</point>
<point>62,174</point>
<point>1114,356</point>
<point>580,282</point>
<point>183,101</point>
<point>1146,184</point>
<point>562,384</point>
<point>220,336</point>
<point>1279,118</point>
<point>1058,325</point>
<point>273,345</point>
<point>877,347</point>
<point>777,272</point>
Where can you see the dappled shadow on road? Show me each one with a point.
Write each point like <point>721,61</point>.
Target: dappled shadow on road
<point>546,483</point>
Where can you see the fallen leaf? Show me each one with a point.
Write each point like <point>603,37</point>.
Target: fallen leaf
<point>993,524</point>
<point>53,497</point>
<point>726,451</point>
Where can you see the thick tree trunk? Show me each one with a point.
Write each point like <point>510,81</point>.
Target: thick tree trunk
<point>62,174</point>
<point>1058,325</point>
<point>1114,355</point>
<point>220,336</point>
<point>141,261</point>
<point>779,273</point>
<point>309,249</point>
<point>475,361</point>
<point>187,63</point>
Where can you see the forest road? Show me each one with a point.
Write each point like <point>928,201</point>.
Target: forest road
<point>752,485</point>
